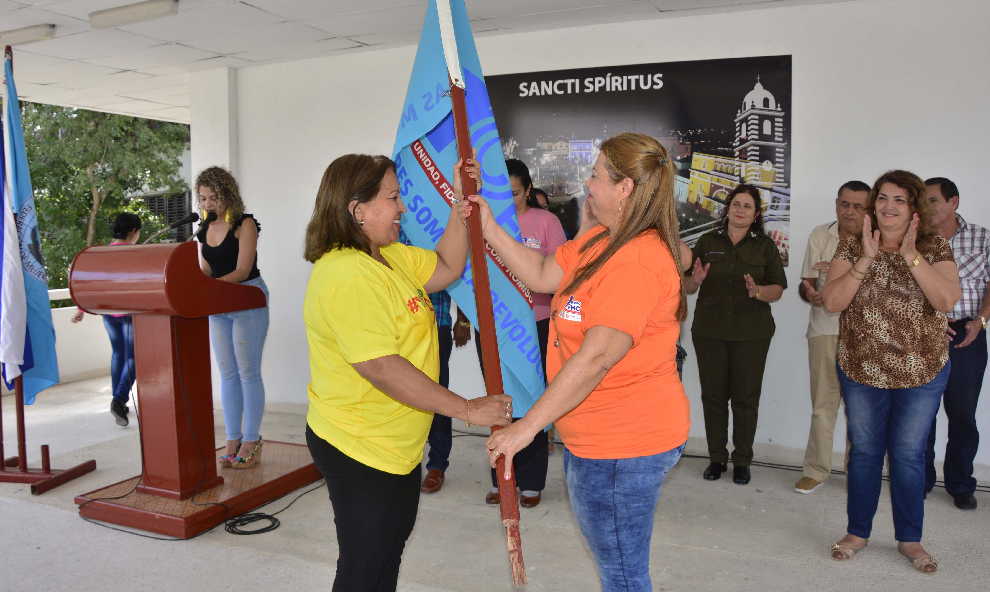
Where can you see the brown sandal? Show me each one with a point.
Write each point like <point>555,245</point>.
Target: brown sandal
<point>844,551</point>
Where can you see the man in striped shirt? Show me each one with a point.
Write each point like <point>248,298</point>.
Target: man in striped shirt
<point>968,348</point>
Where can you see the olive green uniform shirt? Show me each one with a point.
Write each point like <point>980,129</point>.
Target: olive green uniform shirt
<point>724,309</point>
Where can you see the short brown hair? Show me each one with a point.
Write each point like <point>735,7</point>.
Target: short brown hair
<point>754,192</point>
<point>348,178</point>
<point>915,189</point>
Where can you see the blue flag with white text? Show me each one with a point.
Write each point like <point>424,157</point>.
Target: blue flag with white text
<point>425,153</point>
<point>24,304</point>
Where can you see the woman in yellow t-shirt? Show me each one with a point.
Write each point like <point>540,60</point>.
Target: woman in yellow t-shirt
<point>374,362</point>
<point>614,392</point>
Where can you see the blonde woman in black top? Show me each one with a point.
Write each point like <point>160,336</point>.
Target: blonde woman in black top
<point>229,252</point>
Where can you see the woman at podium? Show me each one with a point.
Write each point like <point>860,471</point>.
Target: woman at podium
<point>374,363</point>
<point>228,251</point>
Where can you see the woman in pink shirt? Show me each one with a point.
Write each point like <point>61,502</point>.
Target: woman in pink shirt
<point>541,231</point>
<point>126,231</point>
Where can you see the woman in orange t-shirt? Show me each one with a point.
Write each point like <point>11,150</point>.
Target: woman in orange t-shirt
<point>614,392</point>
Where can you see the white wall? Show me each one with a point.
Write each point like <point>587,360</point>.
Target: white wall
<point>82,349</point>
<point>877,84</point>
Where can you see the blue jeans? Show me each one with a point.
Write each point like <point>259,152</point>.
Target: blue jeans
<point>121,333</point>
<point>893,422</point>
<point>961,397</point>
<point>614,501</point>
<point>238,339</point>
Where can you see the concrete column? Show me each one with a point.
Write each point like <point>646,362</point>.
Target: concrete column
<point>213,118</point>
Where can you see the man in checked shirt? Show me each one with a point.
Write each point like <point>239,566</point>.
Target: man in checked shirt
<point>968,348</point>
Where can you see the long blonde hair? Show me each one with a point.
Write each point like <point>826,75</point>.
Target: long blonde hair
<point>650,206</point>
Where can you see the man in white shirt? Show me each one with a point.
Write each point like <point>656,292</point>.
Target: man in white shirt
<point>823,331</point>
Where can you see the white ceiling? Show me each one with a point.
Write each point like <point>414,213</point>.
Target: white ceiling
<point>143,69</point>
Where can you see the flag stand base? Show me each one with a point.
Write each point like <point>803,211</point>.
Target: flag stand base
<point>15,469</point>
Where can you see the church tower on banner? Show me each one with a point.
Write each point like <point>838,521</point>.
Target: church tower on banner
<point>760,138</point>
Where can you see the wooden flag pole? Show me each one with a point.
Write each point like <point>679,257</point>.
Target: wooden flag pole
<point>509,499</point>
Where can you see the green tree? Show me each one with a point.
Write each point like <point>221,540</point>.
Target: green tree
<point>87,166</point>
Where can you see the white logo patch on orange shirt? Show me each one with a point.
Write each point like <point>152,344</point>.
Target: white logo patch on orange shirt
<point>571,310</point>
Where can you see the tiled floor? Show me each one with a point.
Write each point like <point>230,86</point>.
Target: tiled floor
<point>708,536</point>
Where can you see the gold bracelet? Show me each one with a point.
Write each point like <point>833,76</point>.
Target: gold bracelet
<point>853,271</point>
<point>467,412</point>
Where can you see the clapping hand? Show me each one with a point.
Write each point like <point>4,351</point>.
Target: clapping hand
<point>752,290</point>
<point>909,249</point>
<point>699,271</point>
<point>871,238</point>
<point>813,295</point>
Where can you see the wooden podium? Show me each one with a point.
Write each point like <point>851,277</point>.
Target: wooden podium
<point>180,491</point>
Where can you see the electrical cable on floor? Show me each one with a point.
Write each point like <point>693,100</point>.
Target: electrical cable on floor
<point>231,525</point>
<point>235,525</point>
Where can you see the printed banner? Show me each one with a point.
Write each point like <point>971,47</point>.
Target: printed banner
<point>724,122</point>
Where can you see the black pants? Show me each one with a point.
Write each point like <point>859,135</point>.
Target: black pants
<point>731,371</point>
<point>530,463</point>
<point>374,512</point>
<point>962,394</point>
<point>543,333</point>
<point>441,438</point>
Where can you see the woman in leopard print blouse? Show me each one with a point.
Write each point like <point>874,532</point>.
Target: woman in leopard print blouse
<point>894,286</point>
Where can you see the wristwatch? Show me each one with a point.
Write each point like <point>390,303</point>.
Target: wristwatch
<point>983,321</point>
<point>916,261</point>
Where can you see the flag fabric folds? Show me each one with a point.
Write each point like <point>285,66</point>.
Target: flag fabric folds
<point>27,337</point>
<point>425,153</point>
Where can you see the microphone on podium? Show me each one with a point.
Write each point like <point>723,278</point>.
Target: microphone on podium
<point>191,218</point>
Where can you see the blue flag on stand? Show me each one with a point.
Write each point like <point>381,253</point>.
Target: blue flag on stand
<point>27,337</point>
<point>425,153</point>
